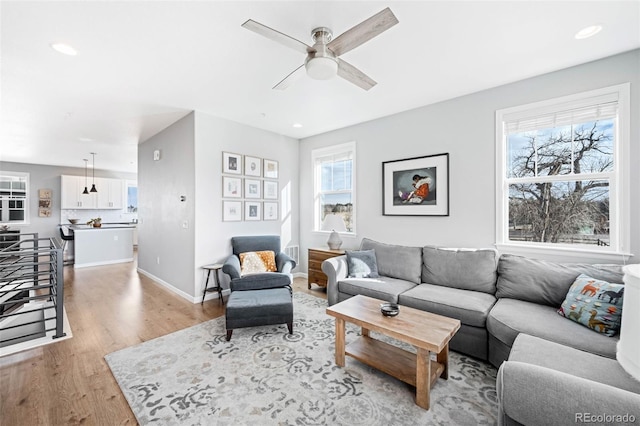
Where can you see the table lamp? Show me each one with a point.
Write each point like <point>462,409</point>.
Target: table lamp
<point>628,353</point>
<point>334,223</point>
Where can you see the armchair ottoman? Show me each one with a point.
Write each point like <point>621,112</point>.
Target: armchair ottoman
<point>253,308</point>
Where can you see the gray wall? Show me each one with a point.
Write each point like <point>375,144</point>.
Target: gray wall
<point>165,248</point>
<point>48,177</point>
<point>465,128</point>
<point>191,165</point>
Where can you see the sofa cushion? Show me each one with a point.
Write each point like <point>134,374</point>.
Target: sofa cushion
<point>510,317</point>
<point>595,304</point>
<point>402,262</point>
<point>362,264</point>
<point>544,353</point>
<point>544,282</point>
<point>470,307</point>
<point>383,288</point>
<point>470,269</point>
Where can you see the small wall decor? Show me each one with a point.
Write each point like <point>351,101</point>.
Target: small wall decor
<point>252,210</point>
<point>44,202</point>
<point>270,190</point>
<point>416,186</point>
<point>252,188</point>
<point>270,169</point>
<point>231,211</point>
<point>270,211</point>
<point>252,166</point>
<point>231,163</point>
<point>231,187</point>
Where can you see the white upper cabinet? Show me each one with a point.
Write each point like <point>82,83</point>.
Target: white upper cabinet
<point>110,193</point>
<point>71,195</point>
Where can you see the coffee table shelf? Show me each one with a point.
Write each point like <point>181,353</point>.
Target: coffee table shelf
<point>390,359</point>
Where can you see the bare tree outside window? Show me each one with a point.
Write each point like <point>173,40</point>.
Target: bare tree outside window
<point>558,183</point>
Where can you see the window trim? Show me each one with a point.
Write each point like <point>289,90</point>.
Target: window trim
<point>27,199</point>
<point>317,153</point>
<point>619,194</point>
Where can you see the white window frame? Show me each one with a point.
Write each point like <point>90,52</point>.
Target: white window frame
<point>316,154</point>
<point>27,207</point>
<point>619,192</point>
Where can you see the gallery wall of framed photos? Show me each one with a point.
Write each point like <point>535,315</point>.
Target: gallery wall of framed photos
<point>250,188</point>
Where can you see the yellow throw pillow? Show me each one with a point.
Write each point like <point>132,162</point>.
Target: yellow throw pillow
<point>255,262</point>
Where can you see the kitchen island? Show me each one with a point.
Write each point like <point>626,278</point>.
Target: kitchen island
<point>111,243</point>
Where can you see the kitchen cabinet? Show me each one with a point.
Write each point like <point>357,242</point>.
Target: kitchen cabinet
<point>110,193</point>
<point>71,196</point>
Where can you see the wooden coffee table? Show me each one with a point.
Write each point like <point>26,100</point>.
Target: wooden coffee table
<point>426,331</point>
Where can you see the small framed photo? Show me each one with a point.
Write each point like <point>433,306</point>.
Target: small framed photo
<point>252,188</point>
<point>271,169</point>
<point>252,166</point>
<point>231,187</point>
<point>44,194</point>
<point>252,210</point>
<point>231,163</point>
<point>271,189</point>
<point>231,211</point>
<point>270,211</point>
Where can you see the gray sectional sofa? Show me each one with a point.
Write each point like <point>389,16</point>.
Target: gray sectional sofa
<point>497,298</point>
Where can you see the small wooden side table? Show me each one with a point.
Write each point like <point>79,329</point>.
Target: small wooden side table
<point>314,269</point>
<point>215,267</point>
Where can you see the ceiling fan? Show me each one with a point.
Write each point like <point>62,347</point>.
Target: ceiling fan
<point>323,62</point>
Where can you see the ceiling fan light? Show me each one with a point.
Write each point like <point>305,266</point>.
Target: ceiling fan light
<point>320,68</point>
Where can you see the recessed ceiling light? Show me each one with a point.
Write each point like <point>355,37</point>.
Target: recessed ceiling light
<point>297,125</point>
<point>587,32</point>
<point>64,49</point>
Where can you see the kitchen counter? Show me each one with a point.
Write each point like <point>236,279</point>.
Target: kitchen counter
<point>111,243</point>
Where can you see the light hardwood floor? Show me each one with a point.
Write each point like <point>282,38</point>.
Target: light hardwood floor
<point>109,308</point>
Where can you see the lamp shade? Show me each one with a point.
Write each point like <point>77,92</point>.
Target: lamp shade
<point>628,353</point>
<point>321,68</point>
<point>334,223</point>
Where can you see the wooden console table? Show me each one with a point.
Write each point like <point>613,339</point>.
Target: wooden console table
<point>314,269</point>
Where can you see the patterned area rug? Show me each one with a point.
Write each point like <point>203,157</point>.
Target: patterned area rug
<point>266,376</point>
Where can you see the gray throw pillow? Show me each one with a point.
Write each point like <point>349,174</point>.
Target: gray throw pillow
<point>362,264</point>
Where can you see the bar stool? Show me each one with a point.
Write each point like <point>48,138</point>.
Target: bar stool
<point>65,238</point>
<point>215,267</point>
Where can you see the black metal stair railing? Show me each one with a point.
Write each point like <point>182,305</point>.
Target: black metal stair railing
<point>31,288</point>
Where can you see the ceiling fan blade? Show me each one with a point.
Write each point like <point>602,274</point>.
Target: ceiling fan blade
<point>277,36</point>
<point>363,32</point>
<point>354,75</point>
<point>288,80</point>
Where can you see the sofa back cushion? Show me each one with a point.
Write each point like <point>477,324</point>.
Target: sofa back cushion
<point>466,269</point>
<point>544,282</point>
<point>402,262</point>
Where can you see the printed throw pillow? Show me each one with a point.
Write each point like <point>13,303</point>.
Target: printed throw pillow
<point>255,262</point>
<point>362,264</point>
<point>595,304</point>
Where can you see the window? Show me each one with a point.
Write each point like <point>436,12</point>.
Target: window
<point>14,198</point>
<point>334,186</point>
<point>561,172</point>
<point>132,197</point>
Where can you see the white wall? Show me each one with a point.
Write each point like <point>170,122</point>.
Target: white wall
<point>463,127</point>
<point>191,165</point>
<point>48,177</point>
<point>213,136</point>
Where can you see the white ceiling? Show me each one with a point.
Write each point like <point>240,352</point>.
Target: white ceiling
<point>142,65</point>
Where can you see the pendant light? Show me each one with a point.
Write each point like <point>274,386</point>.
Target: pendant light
<point>93,179</point>
<point>85,192</point>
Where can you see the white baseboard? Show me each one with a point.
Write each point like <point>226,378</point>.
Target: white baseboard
<point>184,295</point>
<point>108,262</point>
<point>300,275</point>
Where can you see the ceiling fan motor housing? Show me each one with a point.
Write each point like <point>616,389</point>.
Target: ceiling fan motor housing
<point>321,64</point>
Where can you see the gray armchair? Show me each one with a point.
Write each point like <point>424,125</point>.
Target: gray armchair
<point>284,264</point>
